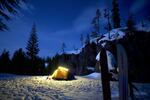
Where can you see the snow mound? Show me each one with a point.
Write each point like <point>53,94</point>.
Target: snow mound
<point>93,76</point>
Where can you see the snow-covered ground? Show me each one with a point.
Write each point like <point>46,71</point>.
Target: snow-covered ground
<point>38,88</point>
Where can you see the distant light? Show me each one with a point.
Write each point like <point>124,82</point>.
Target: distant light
<point>46,65</point>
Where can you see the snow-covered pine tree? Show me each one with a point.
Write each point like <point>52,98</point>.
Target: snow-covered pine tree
<point>107,16</point>
<point>32,45</point>
<point>115,14</point>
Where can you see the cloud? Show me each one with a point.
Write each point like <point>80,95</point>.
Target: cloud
<point>27,6</point>
<point>83,22</point>
<point>24,8</point>
<point>138,5</point>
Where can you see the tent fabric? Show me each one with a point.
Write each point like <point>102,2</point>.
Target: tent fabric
<point>62,74</point>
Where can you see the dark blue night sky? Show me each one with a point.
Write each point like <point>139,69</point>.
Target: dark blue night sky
<point>61,21</point>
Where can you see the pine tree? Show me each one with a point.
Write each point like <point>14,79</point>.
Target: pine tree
<point>115,14</point>
<point>87,39</point>
<point>5,62</point>
<point>130,24</point>
<point>19,57</point>
<point>10,6</point>
<point>63,47</point>
<point>19,61</point>
<point>32,45</point>
<point>96,25</point>
<point>98,14</point>
<point>107,16</point>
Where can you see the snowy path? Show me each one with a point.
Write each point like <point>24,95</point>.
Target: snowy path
<point>38,88</point>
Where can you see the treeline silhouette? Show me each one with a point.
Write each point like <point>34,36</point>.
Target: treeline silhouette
<point>20,63</point>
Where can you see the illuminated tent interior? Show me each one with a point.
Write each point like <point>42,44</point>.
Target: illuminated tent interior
<point>62,73</point>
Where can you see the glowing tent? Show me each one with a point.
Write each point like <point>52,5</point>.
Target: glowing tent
<point>62,73</point>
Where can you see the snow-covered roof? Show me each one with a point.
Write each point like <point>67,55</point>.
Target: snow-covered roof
<point>114,35</point>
